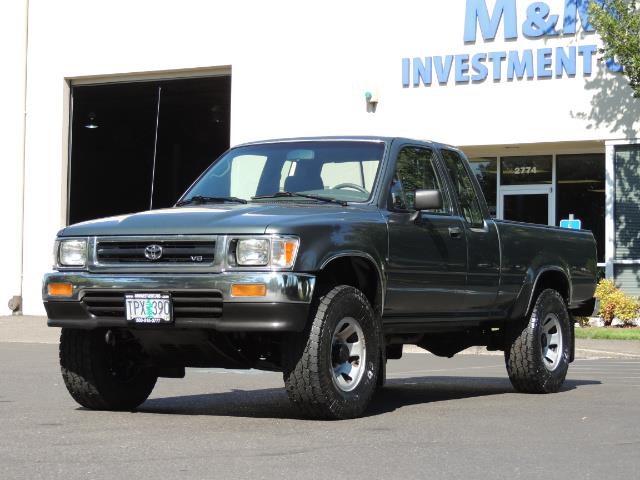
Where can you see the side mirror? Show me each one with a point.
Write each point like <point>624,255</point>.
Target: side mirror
<point>426,200</point>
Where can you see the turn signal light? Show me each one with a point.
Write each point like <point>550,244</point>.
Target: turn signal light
<point>283,251</point>
<point>248,290</point>
<point>60,289</point>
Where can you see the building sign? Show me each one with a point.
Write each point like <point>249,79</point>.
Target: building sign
<point>539,23</point>
<point>571,223</point>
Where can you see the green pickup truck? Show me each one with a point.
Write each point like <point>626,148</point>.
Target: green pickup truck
<point>319,258</point>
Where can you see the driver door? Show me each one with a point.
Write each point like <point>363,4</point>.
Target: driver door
<point>427,255</point>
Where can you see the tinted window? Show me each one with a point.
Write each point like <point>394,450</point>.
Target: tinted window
<point>463,188</point>
<point>581,192</point>
<point>529,170</point>
<point>414,171</point>
<point>486,172</point>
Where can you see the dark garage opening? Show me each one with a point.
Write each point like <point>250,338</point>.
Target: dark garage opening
<point>117,129</point>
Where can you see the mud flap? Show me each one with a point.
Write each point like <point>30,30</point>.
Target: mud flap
<point>572,334</point>
<point>382,372</point>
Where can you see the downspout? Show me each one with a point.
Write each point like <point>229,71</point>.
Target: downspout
<point>17,301</point>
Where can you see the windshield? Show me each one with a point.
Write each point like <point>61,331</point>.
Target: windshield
<point>340,170</point>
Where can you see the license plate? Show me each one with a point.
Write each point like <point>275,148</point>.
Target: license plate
<point>153,308</point>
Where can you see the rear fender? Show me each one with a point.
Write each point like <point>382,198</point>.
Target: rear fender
<point>534,283</point>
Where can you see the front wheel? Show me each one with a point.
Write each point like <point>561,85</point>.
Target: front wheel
<point>537,356</point>
<point>102,376</point>
<point>331,369</point>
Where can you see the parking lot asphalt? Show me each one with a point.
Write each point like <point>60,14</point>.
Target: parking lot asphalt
<point>436,418</point>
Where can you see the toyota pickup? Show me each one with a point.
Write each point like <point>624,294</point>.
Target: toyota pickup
<point>319,258</point>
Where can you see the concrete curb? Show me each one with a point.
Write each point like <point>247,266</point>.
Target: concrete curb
<point>27,329</point>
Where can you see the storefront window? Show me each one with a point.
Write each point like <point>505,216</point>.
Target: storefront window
<point>486,171</point>
<point>581,192</point>
<point>529,170</point>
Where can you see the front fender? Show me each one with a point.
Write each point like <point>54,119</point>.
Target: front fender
<point>354,233</point>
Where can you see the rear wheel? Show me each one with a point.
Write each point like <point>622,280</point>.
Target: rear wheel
<point>331,369</point>
<point>537,356</point>
<point>103,375</point>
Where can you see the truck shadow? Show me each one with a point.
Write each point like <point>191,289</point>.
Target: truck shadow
<point>397,393</point>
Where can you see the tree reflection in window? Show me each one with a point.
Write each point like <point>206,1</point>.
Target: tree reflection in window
<point>414,171</point>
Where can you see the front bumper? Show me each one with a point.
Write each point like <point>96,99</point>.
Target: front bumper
<point>284,307</point>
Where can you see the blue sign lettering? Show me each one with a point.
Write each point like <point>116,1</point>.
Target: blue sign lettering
<point>497,58</point>
<point>517,66</point>
<point>539,22</point>
<point>478,14</point>
<point>406,72</point>
<point>479,67</point>
<point>614,67</point>
<point>587,52</point>
<point>542,63</point>
<point>565,63</point>
<point>462,68</point>
<point>573,9</point>
<point>421,71</point>
<point>443,69</point>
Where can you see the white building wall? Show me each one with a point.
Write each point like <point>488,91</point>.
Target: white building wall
<point>298,68</point>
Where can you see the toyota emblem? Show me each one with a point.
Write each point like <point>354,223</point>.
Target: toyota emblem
<point>153,252</point>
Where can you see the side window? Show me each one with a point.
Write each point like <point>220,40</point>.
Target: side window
<point>463,188</point>
<point>414,171</point>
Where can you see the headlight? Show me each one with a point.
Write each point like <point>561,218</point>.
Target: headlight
<point>253,251</point>
<point>263,252</point>
<point>72,253</point>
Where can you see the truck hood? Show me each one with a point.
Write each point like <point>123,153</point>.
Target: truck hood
<point>216,219</point>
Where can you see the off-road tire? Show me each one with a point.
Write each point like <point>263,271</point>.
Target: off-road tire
<point>86,362</point>
<point>307,358</point>
<point>524,356</point>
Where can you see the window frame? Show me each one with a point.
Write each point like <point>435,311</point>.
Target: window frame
<point>376,185</point>
<point>447,201</point>
<point>482,205</point>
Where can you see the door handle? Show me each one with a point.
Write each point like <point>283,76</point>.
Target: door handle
<point>455,232</point>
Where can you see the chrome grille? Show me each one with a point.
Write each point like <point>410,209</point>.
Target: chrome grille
<point>186,304</point>
<point>190,252</point>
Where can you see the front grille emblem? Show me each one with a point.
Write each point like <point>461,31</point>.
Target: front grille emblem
<point>153,252</point>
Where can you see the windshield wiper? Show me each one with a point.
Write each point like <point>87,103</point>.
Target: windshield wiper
<point>303,195</point>
<point>200,199</point>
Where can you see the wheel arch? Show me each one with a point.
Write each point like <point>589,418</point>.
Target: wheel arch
<point>550,277</point>
<point>357,269</point>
